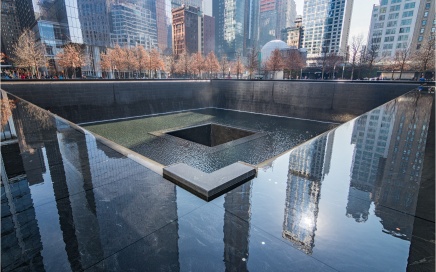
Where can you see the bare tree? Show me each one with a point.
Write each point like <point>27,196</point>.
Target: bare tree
<point>400,59</point>
<point>275,62</point>
<point>183,64</point>
<point>197,62</point>
<point>331,62</point>
<point>294,61</point>
<point>211,64</point>
<point>72,57</point>
<point>238,66</point>
<point>170,64</point>
<point>355,50</point>
<point>29,53</point>
<point>7,105</point>
<point>143,58</point>
<point>252,61</point>
<point>156,61</point>
<point>371,55</point>
<point>106,61</point>
<point>424,57</point>
<point>224,64</point>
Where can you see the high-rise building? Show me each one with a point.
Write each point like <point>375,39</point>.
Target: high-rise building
<point>392,26</point>
<point>275,15</point>
<point>326,26</point>
<point>425,26</point>
<point>133,25</point>
<point>10,26</point>
<point>293,36</point>
<point>186,30</point>
<point>208,34</point>
<point>57,23</point>
<point>236,26</point>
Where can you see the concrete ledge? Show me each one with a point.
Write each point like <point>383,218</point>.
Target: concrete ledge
<point>209,186</point>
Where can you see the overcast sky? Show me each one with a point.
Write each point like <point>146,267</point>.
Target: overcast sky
<point>360,18</point>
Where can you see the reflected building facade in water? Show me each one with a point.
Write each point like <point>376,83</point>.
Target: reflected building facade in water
<point>387,162</point>
<point>371,137</point>
<point>237,233</point>
<point>308,165</point>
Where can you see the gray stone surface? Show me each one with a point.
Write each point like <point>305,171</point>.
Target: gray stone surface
<point>209,186</point>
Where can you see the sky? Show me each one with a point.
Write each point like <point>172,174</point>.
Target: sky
<point>360,18</point>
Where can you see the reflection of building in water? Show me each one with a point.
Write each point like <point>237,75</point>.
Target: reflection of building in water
<point>387,162</point>
<point>371,135</point>
<point>21,240</point>
<point>236,232</point>
<point>308,165</point>
<point>400,173</point>
<point>20,237</point>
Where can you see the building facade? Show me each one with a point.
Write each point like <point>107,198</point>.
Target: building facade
<point>425,27</point>
<point>392,26</point>
<point>275,15</point>
<point>326,27</point>
<point>293,36</point>
<point>56,23</point>
<point>186,29</point>
<point>10,27</point>
<point>133,25</point>
<point>236,27</point>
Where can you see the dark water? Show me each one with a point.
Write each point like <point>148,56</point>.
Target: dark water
<point>277,135</point>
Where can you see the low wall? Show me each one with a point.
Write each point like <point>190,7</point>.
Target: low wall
<point>86,101</point>
<point>325,101</point>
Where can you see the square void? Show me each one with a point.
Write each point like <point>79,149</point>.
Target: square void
<point>211,134</point>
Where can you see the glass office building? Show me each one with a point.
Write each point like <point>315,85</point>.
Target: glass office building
<point>326,26</point>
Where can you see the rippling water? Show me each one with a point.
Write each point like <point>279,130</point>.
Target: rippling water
<point>280,134</point>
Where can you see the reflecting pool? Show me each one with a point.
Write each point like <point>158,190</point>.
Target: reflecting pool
<point>349,199</point>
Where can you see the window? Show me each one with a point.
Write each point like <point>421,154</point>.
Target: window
<point>384,2</point>
<point>433,29</point>
<point>392,24</point>
<point>381,18</point>
<point>403,37</point>
<point>383,10</point>
<point>406,22</point>
<point>389,39</point>
<point>420,38</point>
<point>395,8</point>
<point>409,5</point>
<point>393,16</point>
<point>408,13</point>
<point>395,1</point>
<point>421,30</point>
<point>404,30</point>
<point>378,25</point>
<point>424,22</point>
<point>426,14</point>
<point>390,31</point>
<point>388,46</point>
<point>427,6</point>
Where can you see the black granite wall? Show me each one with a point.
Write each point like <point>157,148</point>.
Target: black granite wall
<point>86,101</point>
<point>82,101</point>
<point>325,101</point>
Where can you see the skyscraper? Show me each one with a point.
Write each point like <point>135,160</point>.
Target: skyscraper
<point>10,26</point>
<point>275,15</point>
<point>392,26</point>
<point>133,25</point>
<point>57,23</point>
<point>235,26</point>
<point>326,26</point>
